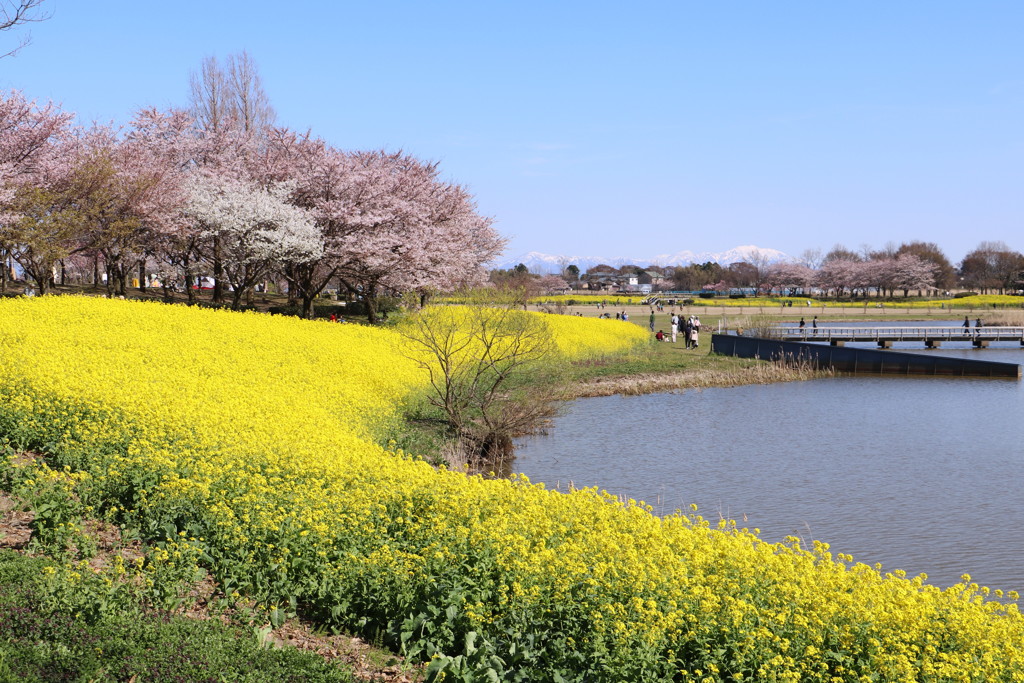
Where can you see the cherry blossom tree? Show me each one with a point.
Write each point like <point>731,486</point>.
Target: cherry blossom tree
<point>945,275</point>
<point>257,227</point>
<point>173,143</point>
<point>388,223</point>
<point>553,284</point>
<point>136,191</point>
<point>30,136</point>
<point>912,272</point>
<point>788,275</point>
<point>407,230</point>
<point>839,274</point>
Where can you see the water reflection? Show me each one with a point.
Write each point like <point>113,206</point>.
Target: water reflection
<point>921,474</point>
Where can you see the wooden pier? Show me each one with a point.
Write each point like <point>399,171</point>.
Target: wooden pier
<point>861,361</point>
<point>885,337</point>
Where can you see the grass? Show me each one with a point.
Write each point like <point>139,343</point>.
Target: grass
<point>45,637</point>
<point>664,366</point>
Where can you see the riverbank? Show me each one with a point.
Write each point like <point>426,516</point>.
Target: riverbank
<point>665,367</point>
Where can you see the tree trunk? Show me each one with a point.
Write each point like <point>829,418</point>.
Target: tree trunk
<point>142,276</point>
<point>63,274</point>
<point>186,266</point>
<point>3,271</point>
<point>96,272</point>
<point>42,279</point>
<point>218,273</point>
<point>370,296</point>
<point>236,299</point>
<point>293,290</point>
<point>307,306</point>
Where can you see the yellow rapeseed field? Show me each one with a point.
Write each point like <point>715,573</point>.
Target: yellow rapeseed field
<point>246,442</point>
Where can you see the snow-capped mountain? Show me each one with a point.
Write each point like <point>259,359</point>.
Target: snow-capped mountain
<point>553,263</point>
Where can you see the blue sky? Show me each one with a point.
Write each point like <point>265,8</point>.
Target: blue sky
<point>615,129</point>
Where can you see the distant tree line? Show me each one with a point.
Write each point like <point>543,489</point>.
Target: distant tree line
<point>841,272</point>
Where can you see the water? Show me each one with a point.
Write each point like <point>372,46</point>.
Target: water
<point>917,473</point>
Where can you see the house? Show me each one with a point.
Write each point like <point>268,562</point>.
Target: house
<point>655,279</point>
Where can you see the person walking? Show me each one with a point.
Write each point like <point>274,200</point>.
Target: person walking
<point>675,327</point>
<point>696,331</point>
<point>652,320</point>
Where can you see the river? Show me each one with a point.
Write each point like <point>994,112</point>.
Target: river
<point>916,473</point>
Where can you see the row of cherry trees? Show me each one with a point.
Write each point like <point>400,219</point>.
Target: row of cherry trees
<point>845,277</point>
<point>237,199</point>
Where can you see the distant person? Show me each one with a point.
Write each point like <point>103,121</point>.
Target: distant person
<point>814,324</point>
<point>967,324</point>
<point>675,327</point>
<point>802,323</point>
<point>977,323</point>
<point>660,336</point>
<point>652,320</point>
<point>625,316</point>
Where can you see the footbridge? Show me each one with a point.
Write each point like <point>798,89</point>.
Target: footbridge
<point>885,337</point>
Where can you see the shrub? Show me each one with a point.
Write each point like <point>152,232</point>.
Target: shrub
<point>285,310</point>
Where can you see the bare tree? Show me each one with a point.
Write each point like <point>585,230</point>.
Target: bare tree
<point>231,95</point>
<point>812,258</point>
<point>209,105</point>
<point>249,104</point>
<point>16,12</point>
<point>484,364</point>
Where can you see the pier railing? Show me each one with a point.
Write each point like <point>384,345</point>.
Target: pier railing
<point>886,336</point>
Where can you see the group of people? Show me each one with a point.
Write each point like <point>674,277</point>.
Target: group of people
<point>690,329</point>
<point>814,324</point>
